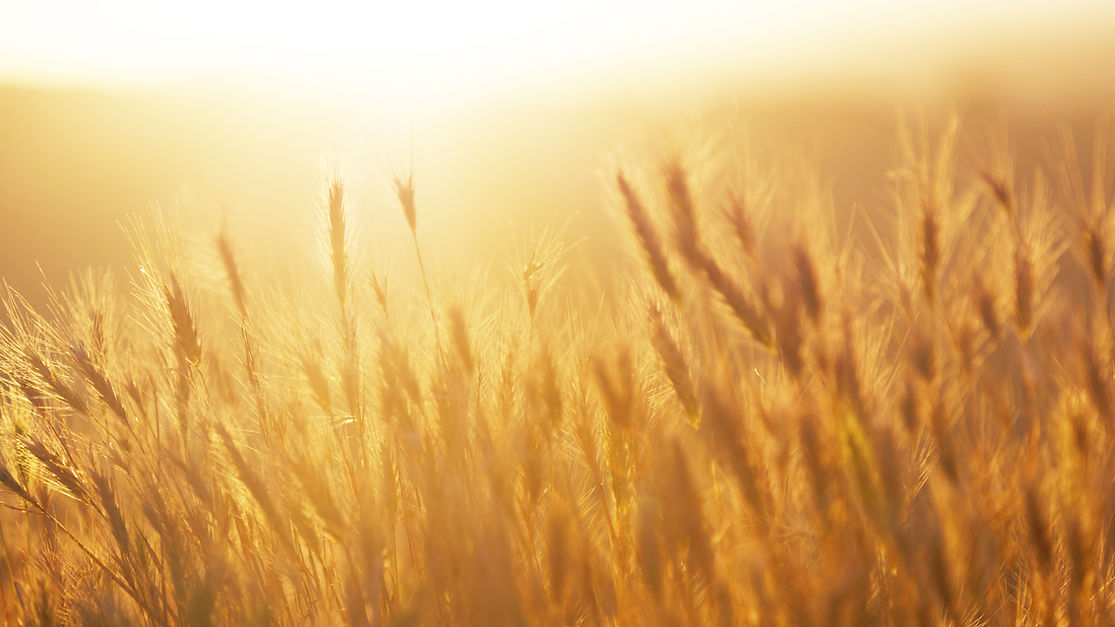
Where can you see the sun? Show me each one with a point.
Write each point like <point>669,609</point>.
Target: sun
<point>434,48</point>
<point>408,46</point>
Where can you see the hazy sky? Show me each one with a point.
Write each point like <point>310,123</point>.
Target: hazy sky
<point>413,44</point>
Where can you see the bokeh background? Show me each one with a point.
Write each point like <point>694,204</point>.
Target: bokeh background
<point>511,117</point>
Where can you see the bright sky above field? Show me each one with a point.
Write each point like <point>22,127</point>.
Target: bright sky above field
<point>417,45</point>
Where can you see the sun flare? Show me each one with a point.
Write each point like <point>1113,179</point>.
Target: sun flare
<point>425,47</point>
<point>582,313</point>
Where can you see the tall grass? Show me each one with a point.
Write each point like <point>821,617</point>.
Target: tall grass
<point>777,421</point>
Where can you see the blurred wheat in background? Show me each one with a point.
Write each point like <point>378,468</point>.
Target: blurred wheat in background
<point>770,364</point>
<point>782,418</point>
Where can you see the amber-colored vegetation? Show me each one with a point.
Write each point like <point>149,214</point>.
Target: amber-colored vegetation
<point>781,414</point>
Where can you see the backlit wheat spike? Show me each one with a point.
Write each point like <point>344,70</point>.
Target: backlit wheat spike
<point>999,190</point>
<point>232,272</point>
<point>338,245</point>
<point>687,234</point>
<point>745,309</point>
<point>742,224</point>
<point>673,362</point>
<point>100,383</point>
<point>461,343</point>
<point>648,238</point>
<point>186,340</point>
<point>404,190</point>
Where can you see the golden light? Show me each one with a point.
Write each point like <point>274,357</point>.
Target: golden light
<point>578,312</point>
<point>436,47</point>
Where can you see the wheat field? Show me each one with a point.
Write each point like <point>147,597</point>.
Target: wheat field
<point>777,414</point>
